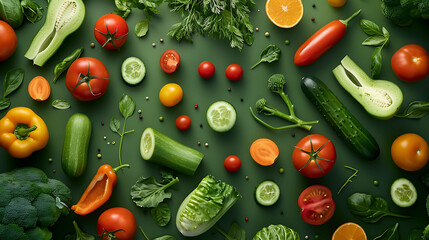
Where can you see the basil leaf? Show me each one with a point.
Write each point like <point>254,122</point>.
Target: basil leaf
<point>236,232</point>
<point>416,109</point>
<point>12,81</point>
<point>166,237</point>
<point>115,124</point>
<point>390,234</point>
<point>148,193</point>
<point>370,28</point>
<point>161,214</point>
<point>4,103</point>
<point>60,104</point>
<point>376,62</point>
<point>386,33</point>
<point>65,64</point>
<point>11,12</point>
<point>270,54</point>
<point>32,11</point>
<point>141,28</point>
<point>126,106</point>
<point>374,41</point>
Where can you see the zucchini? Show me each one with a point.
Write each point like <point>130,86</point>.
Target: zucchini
<point>158,148</point>
<point>76,142</point>
<point>339,117</point>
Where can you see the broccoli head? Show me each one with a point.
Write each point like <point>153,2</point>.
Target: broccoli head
<point>47,211</point>
<point>397,14</point>
<point>13,232</point>
<point>276,83</point>
<point>39,234</point>
<point>20,211</point>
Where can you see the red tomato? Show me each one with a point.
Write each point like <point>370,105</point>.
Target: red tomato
<point>314,156</point>
<point>169,61</point>
<point>234,72</point>
<point>232,163</point>
<point>317,205</point>
<point>206,69</point>
<point>410,152</point>
<point>183,122</point>
<point>7,41</point>
<point>111,31</point>
<point>83,71</point>
<point>411,63</point>
<point>118,222</point>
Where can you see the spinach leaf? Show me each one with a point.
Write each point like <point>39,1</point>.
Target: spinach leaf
<point>11,12</point>
<point>416,109</point>
<point>276,232</point>
<point>390,234</point>
<point>148,193</point>
<point>368,208</point>
<point>161,214</point>
<point>79,234</point>
<point>12,81</point>
<point>4,103</point>
<point>416,234</point>
<point>370,28</point>
<point>270,54</point>
<point>32,11</point>
<point>126,106</point>
<point>141,28</point>
<point>376,62</point>
<point>115,124</point>
<point>65,64</point>
<point>60,104</point>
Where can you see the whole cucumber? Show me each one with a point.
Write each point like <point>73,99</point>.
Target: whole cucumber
<point>76,142</point>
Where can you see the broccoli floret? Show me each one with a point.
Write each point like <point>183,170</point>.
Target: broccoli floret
<point>397,14</point>
<point>47,212</point>
<point>13,232</point>
<point>30,174</point>
<point>260,105</point>
<point>21,212</point>
<point>276,83</point>
<point>60,190</point>
<point>391,2</point>
<point>39,234</point>
<point>408,4</point>
<point>423,8</point>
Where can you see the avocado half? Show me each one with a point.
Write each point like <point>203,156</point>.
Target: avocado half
<point>63,18</point>
<point>380,98</point>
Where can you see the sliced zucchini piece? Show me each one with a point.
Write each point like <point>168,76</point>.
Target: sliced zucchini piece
<point>63,18</point>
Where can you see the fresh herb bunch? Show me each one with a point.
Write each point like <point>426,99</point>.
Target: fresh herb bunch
<point>124,7</point>
<point>224,19</point>
<point>377,39</point>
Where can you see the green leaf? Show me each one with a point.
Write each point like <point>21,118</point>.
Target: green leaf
<point>236,232</point>
<point>390,234</point>
<point>12,81</point>
<point>426,233</point>
<point>4,103</point>
<point>11,12</point>
<point>270,54</point>
<point>166,176</point>
<point>79,234</point>
<point>115,124</point>
<point>148,193</point>
<point>368,208</point>
<point>370,28</point>
<point>276,232</point>
<point>416,109</point>
<point>386,33</point>
<point>161,214</point>
<point>415,234</point>
<point>376,62</point>
<point>141,28</point>
<point>60,104</point>
<point>126,106</point>
<point>166,237</point>
<point>32,11</point>
<point>374,41</point>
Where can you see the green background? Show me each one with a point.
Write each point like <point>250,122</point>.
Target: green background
<point>237,141</point>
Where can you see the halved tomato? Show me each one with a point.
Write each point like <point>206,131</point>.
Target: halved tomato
<point>317,205</point>
<point>169,61</point>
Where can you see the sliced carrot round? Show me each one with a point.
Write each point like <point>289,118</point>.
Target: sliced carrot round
<point>284,13</point>
<point>39,89</point>
<point>264,151</point>
<point>350,231</point>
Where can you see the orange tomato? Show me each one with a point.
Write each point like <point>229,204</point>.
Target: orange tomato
<point>170,95</point>
<point>410,152</point>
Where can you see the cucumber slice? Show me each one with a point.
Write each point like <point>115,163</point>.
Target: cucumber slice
<point>221,116</point>
<point>403,192</point>
<point>133,70</point>
<point>267,193</point>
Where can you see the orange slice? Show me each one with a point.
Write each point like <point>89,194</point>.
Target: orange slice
<point>284,13</point>
<point>349,231</point>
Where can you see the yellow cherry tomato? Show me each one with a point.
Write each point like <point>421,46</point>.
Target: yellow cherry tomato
<point>337,3</point>
<point>170,95</point>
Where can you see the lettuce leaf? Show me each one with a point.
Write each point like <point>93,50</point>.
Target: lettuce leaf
<point>278,232</point>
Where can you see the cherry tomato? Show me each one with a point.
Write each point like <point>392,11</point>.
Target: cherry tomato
<point>314,156</point>
<point>170,95</point>
<point>337,3</point>
<point>206,69</point>
<point>169,61</point>
<point>234,72</point>
<point>117,219</point>
<point>232,163</point>
<point>111,31</point>
<point>7,41</point>
<point>317,205</point>
<point>87,79</point>
<point>411,63</point>
<point>410,152</point>
<point>183,122</point>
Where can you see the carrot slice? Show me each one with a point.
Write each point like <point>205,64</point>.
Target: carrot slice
<point>264,151</point>
<point>39,89</point>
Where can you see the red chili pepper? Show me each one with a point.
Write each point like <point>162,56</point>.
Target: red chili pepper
<point>322,41</point>
<point>99,190</point>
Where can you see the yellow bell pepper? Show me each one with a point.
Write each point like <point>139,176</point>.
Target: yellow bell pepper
<point>22,132</point>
